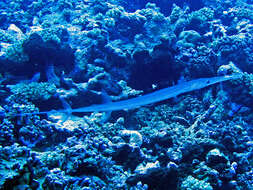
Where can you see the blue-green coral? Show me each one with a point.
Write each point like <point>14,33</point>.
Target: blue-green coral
<point>32,92</point>
<point>191,183</point>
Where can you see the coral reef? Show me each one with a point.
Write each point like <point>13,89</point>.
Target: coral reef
<point>67,54</point>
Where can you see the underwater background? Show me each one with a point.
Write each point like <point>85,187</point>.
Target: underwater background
<point>70,54</point>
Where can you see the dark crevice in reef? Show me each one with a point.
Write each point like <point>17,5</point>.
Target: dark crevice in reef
<point>44,54</point>
<point>156,68</point>
<point>48,58</point>
<point>164,5</point>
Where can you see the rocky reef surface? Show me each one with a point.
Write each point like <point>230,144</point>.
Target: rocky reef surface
<point>75,53</point>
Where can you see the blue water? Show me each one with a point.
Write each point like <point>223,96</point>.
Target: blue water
<point>112,94</point>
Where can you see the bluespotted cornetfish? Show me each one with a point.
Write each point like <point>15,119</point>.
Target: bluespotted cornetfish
<point>143,100</point>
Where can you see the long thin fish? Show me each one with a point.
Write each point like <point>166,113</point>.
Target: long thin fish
<point>153,97</point>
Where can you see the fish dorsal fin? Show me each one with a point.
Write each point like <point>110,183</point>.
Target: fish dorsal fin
<point>36,77</point>
<point>105,97</point>
<point>66,107</point>
<point>63,114</point>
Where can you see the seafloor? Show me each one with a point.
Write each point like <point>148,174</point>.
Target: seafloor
<point>58,55</point>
